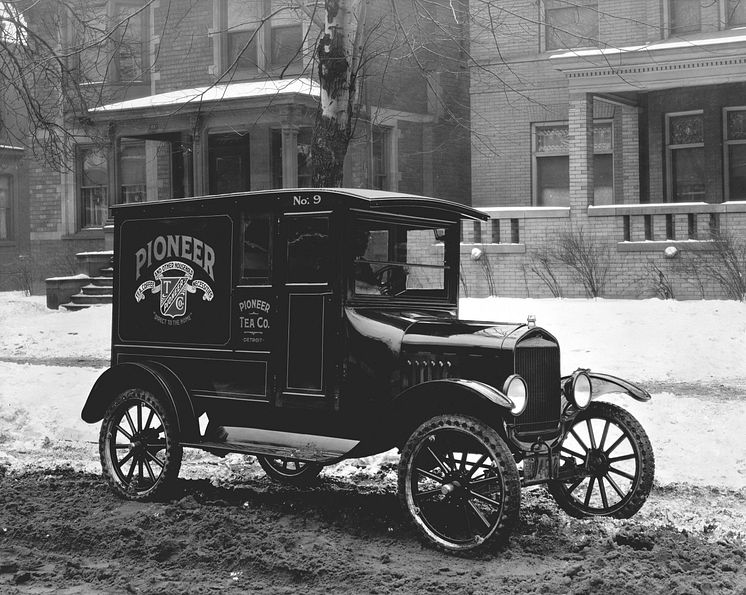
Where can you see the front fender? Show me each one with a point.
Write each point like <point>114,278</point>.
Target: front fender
<point>151,376</point>
<point>456,388</point>
<point>604,384</point>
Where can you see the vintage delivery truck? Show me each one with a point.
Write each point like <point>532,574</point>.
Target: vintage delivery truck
<point>308,326</point>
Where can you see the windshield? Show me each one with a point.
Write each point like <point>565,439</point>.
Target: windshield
<point>399,258</point>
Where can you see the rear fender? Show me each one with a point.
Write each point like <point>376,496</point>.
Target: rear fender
<point>150,376</point>
<point>604,384</point>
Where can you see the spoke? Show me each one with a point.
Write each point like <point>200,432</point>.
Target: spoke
<point>427,493</point>
<point>623,458</point>
<point>602,489</point>
<point>155,459</point>
<point>150,418</point>
<point>479,514</point>
<point>149,468</point>
<point>485,499</point>
<point>476,466</point>
<point>129,421</point>
<point>589,491</point>
<point>483,481</point>
<point>462,466</point>
<point>429,475</point>
<point>441,464</point>
<point>575,434</point>
<point>139,417</point>
<point>127,435</point>
<point>139,470</point>
<point>575,485</point>
<point>121,446</point>
<point>131,471</point>
<point>616,443</point>
<point>125,459</point>
<point>622,473</point>
<point>590,433</point>
<point>614,485</point>
<point>573,453</point>
<point>603,436</point>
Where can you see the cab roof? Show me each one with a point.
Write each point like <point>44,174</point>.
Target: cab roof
<point>356,198</point>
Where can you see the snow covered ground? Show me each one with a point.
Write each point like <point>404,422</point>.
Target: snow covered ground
<point>696,428</point>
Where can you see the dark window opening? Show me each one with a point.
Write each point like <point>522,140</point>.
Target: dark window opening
<point>626,222</point>
<point>648,227</point>
<point>670,228</point>
<point>692,226</point>
<point>256,244</point>
<point>229,163</point>
<point>94,186</point>
<point>495,231</point>
<point>6,207</point>
<point>308,249</point>
<point>515,229</point>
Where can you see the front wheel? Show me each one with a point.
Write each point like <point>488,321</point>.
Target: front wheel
<point>140,453</point>
<point>289,471</point>
<point>610,462</point>
<point>458,483</point>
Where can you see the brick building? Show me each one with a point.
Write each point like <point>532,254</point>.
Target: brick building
<point>625,119</point>
<point>214,96</point>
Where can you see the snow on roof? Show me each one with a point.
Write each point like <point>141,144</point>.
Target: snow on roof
<point>738,36</point>
<point>219,92</point>
<point>10,148</point>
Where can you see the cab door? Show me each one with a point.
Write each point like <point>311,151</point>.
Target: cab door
<point>306,363</point>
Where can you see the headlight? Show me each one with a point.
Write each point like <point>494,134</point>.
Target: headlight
<point>516,391</point>
<point>581,390</point>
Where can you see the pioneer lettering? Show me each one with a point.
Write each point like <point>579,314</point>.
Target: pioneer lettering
<point>176,246</point>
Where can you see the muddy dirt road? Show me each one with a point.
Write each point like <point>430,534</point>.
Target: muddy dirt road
<point>63,531</point>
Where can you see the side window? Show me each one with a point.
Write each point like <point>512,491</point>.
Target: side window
<point>256,242</point>
<point>308,249</point>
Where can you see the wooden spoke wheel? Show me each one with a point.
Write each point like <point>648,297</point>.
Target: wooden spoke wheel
<point>289,471</point>
<point>613,464</point>
<point>140,454</point>
<point>459,484</point>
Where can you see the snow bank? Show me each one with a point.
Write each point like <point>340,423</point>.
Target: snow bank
<point>697,438</point>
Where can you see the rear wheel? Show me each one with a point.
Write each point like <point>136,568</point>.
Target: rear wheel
<point>289,471</point>
<point>140,454</point>
<point>613,464</point>
<point>459,484</point>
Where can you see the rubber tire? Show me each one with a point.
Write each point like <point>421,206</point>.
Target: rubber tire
<point>305,476</point>
<point>501,454</point>
<point>638,493</point>
<point>172,453</point>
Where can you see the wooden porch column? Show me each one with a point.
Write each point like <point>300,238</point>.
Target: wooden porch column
<point>289,156</point>
<point>581,153</point>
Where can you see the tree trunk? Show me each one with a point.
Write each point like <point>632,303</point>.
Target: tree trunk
<point>337,69</point>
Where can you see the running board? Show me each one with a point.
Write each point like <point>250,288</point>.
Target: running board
<point>286,445</point>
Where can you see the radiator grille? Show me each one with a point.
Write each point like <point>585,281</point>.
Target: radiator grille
<point>537,360</point>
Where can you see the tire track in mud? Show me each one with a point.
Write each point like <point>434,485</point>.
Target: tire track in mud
<point>65,530</point>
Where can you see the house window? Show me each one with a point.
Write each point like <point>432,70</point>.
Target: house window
<point>570,23</point>
<point>735,153</point>
<point>94,189</point>
<point>112,41</point>
<point>261,35</point>
<point>684,16</point>
<point>735,13</point>
<point>6,207</point>
<point>685,152</point>
<point>380,158</point>
<point>132,172</point>
<point>552,164</point>
<point>131,38</point>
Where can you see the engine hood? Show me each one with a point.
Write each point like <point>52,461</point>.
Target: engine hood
<point>417,330</point>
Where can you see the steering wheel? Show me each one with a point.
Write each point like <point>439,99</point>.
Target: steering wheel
<point>391,279</point>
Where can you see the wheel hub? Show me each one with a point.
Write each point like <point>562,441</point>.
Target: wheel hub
<point>597,462</point>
